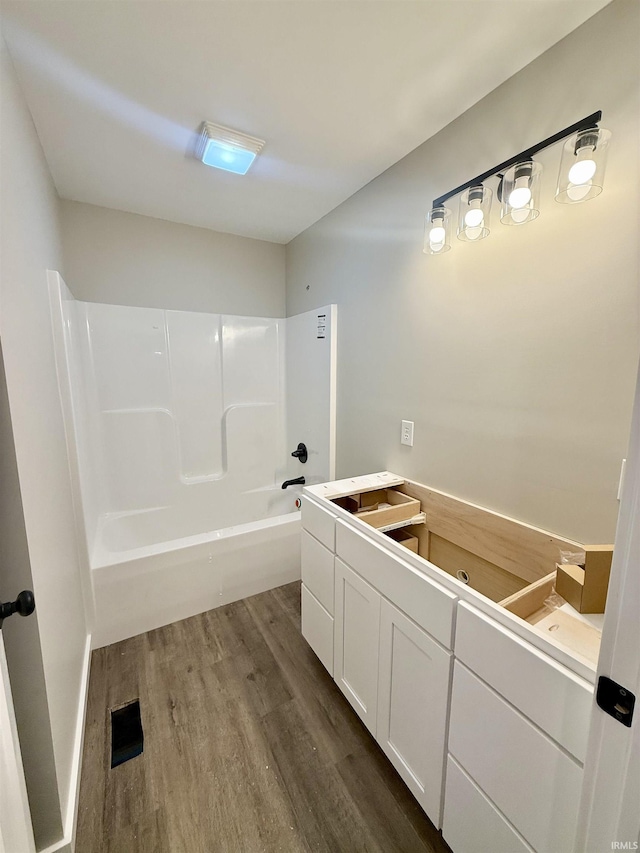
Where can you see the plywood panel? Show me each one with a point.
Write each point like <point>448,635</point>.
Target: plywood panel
<point>518,548</point>
<point>484,577</point>
<point>530,599</point>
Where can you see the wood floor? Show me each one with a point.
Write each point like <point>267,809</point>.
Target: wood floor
<point>249,746</point>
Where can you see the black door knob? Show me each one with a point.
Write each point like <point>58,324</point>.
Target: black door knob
<point>24,604</point>
<point>301,452</point>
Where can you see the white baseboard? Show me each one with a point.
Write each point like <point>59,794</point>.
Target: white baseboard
<point>68,842</point>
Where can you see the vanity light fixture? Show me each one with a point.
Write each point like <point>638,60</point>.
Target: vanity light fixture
<point>581,178</point>
<point>437,231</point>
<point>227,149</point>
<point>584,159</point>
<point>475,208</point>
<point>519,193</point>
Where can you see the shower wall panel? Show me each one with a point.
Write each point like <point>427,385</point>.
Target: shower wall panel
<point>185,412</point>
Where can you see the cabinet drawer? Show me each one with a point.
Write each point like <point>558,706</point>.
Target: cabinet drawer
<point>551,696</point>
<point>319,522</point>
<point>426,602</point>
<point>534,783</point>
<point>317,628</point>
<point>317,570</point>
<point>472,824</point>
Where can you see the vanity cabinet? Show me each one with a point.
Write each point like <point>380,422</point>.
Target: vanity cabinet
<point>481,695</point>
<point>391,632</point>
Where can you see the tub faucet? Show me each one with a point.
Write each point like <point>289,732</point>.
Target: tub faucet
<point>299,481</point>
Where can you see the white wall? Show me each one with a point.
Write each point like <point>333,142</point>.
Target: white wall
<point>29,243</point>
<point>515,357</point>
<point>126,259</point>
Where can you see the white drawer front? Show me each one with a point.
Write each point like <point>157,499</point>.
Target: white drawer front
<point>319,522</point>
<point>526,775</point>
<point>317,570</point>
<point>472,824</point>
<point>555,699</point>
<point>317,628</point>
<point>426,602</point>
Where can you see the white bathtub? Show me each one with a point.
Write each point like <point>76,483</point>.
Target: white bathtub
<point>146,575</point>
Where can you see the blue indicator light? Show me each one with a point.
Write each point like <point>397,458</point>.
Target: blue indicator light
<point>228,157</point>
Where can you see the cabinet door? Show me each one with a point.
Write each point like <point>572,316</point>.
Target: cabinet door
<point>357,634</point>
<point>413,700</point>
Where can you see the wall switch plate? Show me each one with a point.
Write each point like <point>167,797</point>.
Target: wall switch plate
<point>406,436</point>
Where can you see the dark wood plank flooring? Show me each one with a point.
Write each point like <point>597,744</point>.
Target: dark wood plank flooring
<point>249,746</point>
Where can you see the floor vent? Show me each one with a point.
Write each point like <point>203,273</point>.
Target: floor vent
<point>127,738</point>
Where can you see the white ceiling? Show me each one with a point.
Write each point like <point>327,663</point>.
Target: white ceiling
<point>339,90</point>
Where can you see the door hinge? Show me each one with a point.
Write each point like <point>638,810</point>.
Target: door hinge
<point>615,700</point>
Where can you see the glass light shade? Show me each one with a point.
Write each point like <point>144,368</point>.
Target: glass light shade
<point>437,231</point>
<point>519,193</point>
<point>582,167</point>
<point>475,209</point>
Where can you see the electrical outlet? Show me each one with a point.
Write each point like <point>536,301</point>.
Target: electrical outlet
<point>406,435</point>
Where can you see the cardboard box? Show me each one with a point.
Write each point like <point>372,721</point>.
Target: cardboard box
<point>586,588</point>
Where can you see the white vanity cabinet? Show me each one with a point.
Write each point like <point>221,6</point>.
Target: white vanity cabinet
<point>395,675</point>
<point>483,716</point>
<point>392,629</point>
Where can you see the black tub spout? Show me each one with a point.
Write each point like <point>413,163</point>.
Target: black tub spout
<point>299,481</point>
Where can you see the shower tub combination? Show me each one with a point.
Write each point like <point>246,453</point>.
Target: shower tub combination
<point>142,580</point>
<point>177,437</point>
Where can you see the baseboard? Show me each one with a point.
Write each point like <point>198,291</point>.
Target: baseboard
<point>68,842</point>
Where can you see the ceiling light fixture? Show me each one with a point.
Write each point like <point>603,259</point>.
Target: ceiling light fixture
<point>224,148</point>
<point>580,179</point>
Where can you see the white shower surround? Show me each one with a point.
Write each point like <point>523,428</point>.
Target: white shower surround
<point>176,429</point>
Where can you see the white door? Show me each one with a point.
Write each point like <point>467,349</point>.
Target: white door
<point>610,810</point>
<point>16,834</point>
<point>413,696</point>
<point>357,634</point>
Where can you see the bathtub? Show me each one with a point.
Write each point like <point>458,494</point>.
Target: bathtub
<point>146,573</point>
